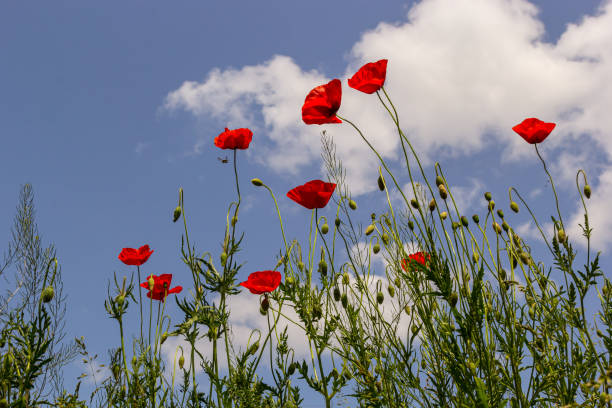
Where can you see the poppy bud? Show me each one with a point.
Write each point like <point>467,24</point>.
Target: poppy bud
<point>263,312</point>
<point>177,214</point>
<point>443,215</point>
<point>432,205</point>
<point>502,274</point>
<point>475,218</point>
<point>257,182</point>
<point>151,282</point>
<point>376,248</point>
<point>505,226</point>
<point>300,266</point>
<point>253,349</point>
<point>336,294</point>
<point>289,280</point>
<point>391,290</point>
<point>455,225</point>
<point>464,221</point>
<point>181,361</point>
<point>414,328</point>
<point>223,257</point>
<point>164,336</point>
<point>491,205</point>
<point>345,278</point>
<point>497,228</point>
<point>500,213</point>
<point>414,203</point>
<point>487,196</point>
<point>525,258</point>
<point>265,304</point>
<point>587,191</point>
<point>234,220</point>
<point>344,300</point>
<point>397,282</point>
<point>561,235</point>
<point>411,225</point>
<point>291,369</point>
<point>380,297</point>
<point>532,313</point>
<point>439,181</point>
<point>324,229</point>
<point>475,257</point>
<point>337,222</point>
<point>134,363</point>
<point>323,268</point>
<point>385,239</point>
<point>407,309</point>
<point>514,206</point>
<point>453,298</point>
<point>353,205</point>
<point>443,192</point>
<point>119,300</point>
<point>516,239</point>
<point>381,183</point>
<point>370,229</point>
<point>47,294</point>
<point>514,262</point>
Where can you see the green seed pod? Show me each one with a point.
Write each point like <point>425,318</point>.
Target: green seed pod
<point>500,213</point>
<point>324,229</point>
<point>561,235</point>
<point>497,228</point>
<point>345,278</point>
<point>407,309</point>
<point>353,205</point>
<point>177,213</point>
<point>491,205</point>
<point>587,191</point>
<point>181,361</point>
<point>47,294</point>
<point>369,229</point>
<point>443,215</point>
<point>385,239</point>
<point>514,206</point>
<point>487,196</point>
<point>443,192</point>
<point>414,203</point>
<point>439,181</point>
<point>223,258</point>
<point>164,336</point>
<point>391,290</point>
<point>452,300</point>
<point>432,205</point>
<point>344,300</point>
<point>381,183</point>
<point>505,226</point>
<point>337,222</point>
<point>411,225</point>
<point>376,248</point>
<point>380,297</point>
<point>464,221</point>
<point>336,294</point>
<point>475,218</point>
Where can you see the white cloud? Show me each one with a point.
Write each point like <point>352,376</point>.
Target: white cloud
<point>461,73</point>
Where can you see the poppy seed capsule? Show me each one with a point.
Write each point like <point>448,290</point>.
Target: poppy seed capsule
<point>439,181</point>
<point>514,206</point>
<point>497,228</point>
<point>376,248</point>
<point>443,215</point>
<point>353,205</point>
<point>323,267</point>
<point>324,229</point>
<point>370,229</point>
<point>414,203</point>
<point>181,361</point>
<point>453,298</point>
<point>487,196</point>
<point>177,214</point>
<point>443,192</point>
<point>381,183</point>
<point>47,294</point>
<point>380,297</point>
<point>587,191</point>
<point>432,205</point>
<point>385,239</point>
<point>475,218</point>
<point>257,182</point>
<point>464,221</point>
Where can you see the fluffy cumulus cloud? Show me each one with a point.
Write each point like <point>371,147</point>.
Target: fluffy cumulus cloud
<point>461,73</point>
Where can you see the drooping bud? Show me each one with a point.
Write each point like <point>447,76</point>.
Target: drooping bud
<point>381,183</point>
<point>262,312</point>
<point>443,192</point>
<point>47,294</point>
<point>464,221</point>
<point>291,369</point>
<point>391,290</point>
<point>376,248</point>
<point>223,258</point>
<point>164,336</point>
<point>453,298</point>
<point>181,361</point>
<point>234,220</point>
<point>324,229</point>
<point>337,222</point>
<point>475,218</point>
<point>380,297</point>
<point>443,215</point>
<point>397,282</point>
<point>177,214</point>
<point>414,329</point>
<point>561,235</point>
<point>257,182</point>
<point>265,303</point>
<point>385,239</point>
<point>500,213</point>
<point>345,278</point>
<point>253,348</point>
<point>514,206</point>
<point>525,258</point>
<point>353,205</point>
<point>455,225</point>
<point>487,196</point>
<point>491,205</point>
<point>369,229</point>
<point>587,191</point>
<point>439,181</point>
<point>344,300</point>
<point>407,309</point>
<point>323,268</point>
<point>497,228</point>
<point>414,203</point>
<point>336,293</point>
<point>505,226</point>
<point>300,266</point>
<point>432,205</point>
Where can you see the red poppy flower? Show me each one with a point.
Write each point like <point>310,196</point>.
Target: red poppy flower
<point>322,103</point>
<point>131,256</point>
<point>234,139</point>
<point>161,287</point>
<point>314,194</point>
<point>534,130</point>
<point>370,78</point>
<point>262,282</point>
<point>417,257</point>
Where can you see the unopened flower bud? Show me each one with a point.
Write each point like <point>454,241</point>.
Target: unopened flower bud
<point>391,290</point>
<point>487,196</point>
<point>561,235</point>
<point>414,328</point>
<point>443,192</point>
<point>336,293</point>
<point>439,181</point>
<point>223,258</point>
<point>464,221</point>
<point>475,218</point>
<point>257,182</point>
<point>525,258</point>
<point>344,300</point>
<point>497,228</point>
<point>234,220</point>
<point>300,266</point>
<point>475,257</point>
<point>369,229</point>
<point>385,239</point>
<point>119,300</point>
<point>455,225</point>
<point>443,215</point>
<point>262,312</point>
<point>324,229</point>
<point>502,274</point>
<point>291,369</point>
<point>181,361</point>
<point>265,304</point>
<point>47,294</point>
<point>164,336</point>
<point>432,205</point>
<point>397,282</point>
<point>414,203</point>
<point>323,267</point>
<point>514,206</point>
<point>151,282</point>
<point>380,297</point>
<point>453,298</point>
<point>411,225</point>
<point>505,226</point>
<point>376,248</point>
<point>253,348</point>
<point>381,183</point>
<point>491,205</point>
<point>353,205</point>
<point>407,309</point>
<point>177,214</point>
<point>345,278</point>
<point>134,363</point>
<point>587,191</point>
<point>500,213</point>
<point>337,222</point>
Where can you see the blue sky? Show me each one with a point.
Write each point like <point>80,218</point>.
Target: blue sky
<point>108,110</point>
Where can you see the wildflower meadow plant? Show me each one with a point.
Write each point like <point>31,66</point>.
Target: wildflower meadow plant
<point>476,338</point>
